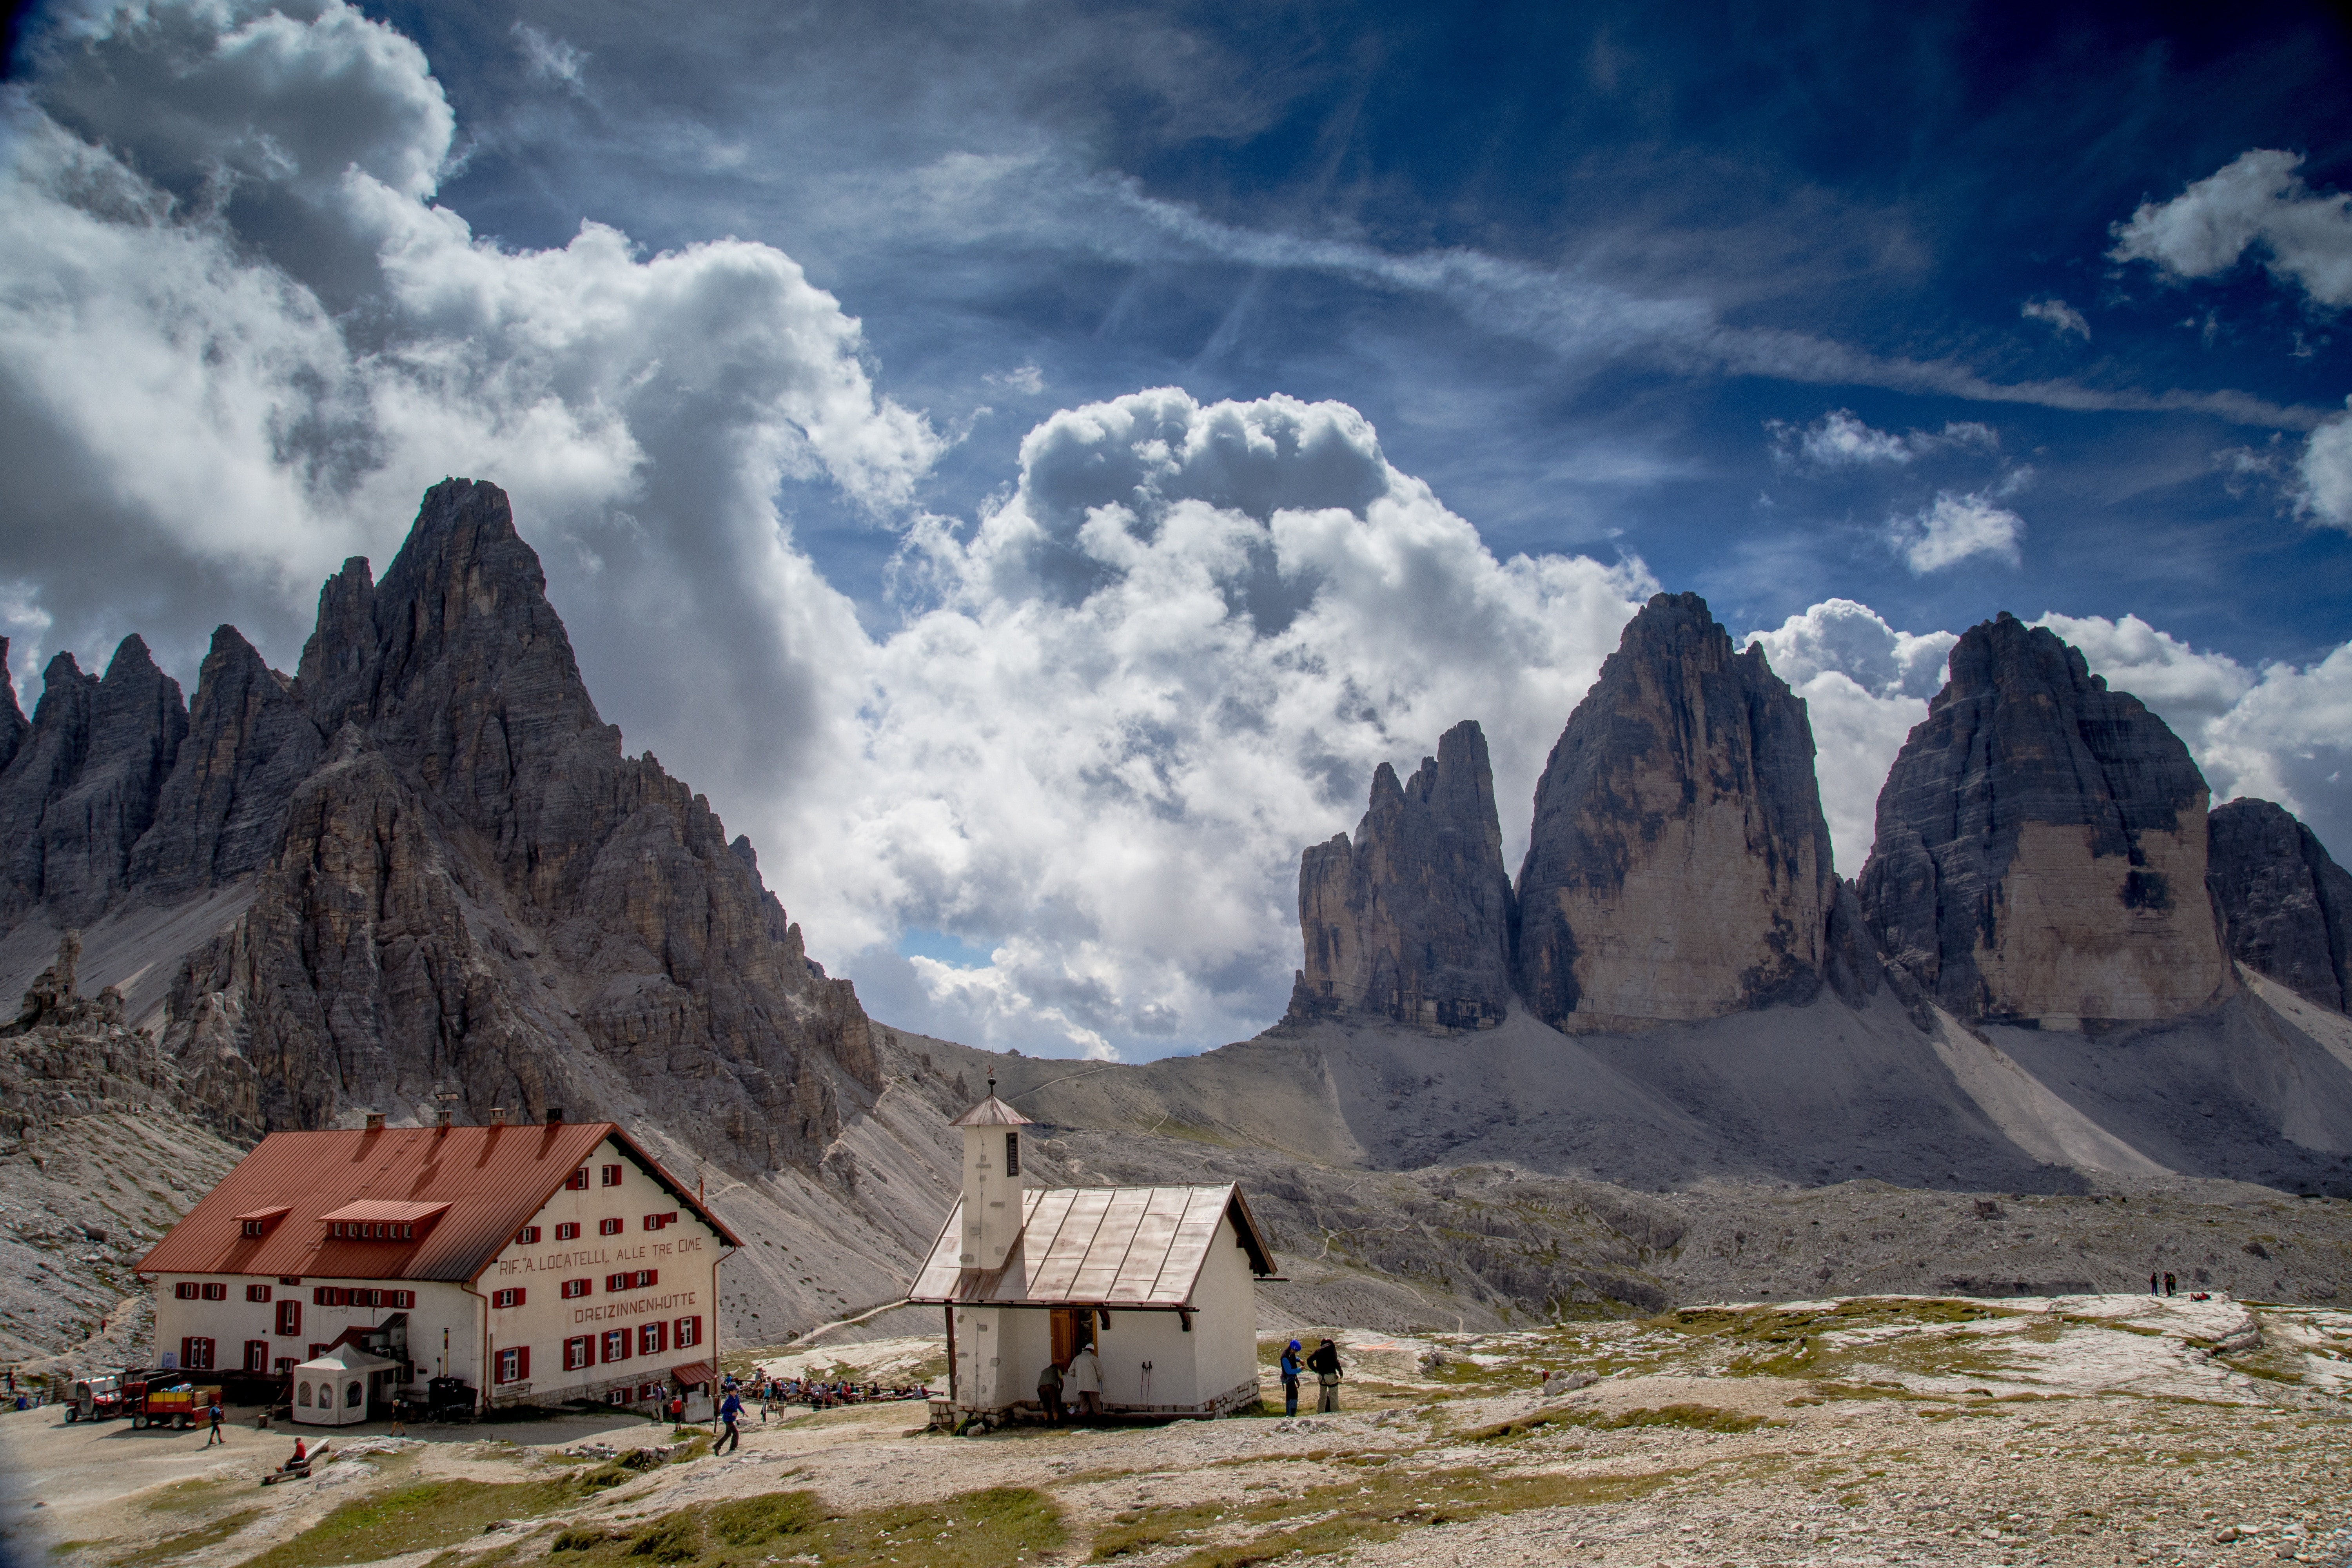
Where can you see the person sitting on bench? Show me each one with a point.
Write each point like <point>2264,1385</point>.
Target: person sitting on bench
<point>301,1459</point>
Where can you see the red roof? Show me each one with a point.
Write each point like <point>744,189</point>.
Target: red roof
<point>491,1179</point>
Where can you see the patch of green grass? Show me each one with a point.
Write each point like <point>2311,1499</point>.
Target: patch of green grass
<point>189,1541</point>
<point>413,1517</point>
<point>987,1529</point>
<point>183,1496</point>
<point>1695,1417</point>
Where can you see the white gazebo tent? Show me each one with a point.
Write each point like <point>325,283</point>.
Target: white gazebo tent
<point>335,1389</point>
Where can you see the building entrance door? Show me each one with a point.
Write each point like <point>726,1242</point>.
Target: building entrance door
<point>1074,1331</point>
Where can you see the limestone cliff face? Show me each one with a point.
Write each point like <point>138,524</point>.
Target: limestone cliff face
<point>82,785</point>
<point>1412,921</point>
<point>2041,847</point>
<point>2285,906</point>
<point>1679,864</point>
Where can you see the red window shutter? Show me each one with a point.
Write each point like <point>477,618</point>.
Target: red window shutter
<point>522,1360</point>
<point>187,1350</point>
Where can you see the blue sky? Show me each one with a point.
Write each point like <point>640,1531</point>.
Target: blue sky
<point>1916,318</point>
<point>1896,184</point>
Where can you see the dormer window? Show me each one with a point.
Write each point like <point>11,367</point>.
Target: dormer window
<point>376,1219</point>
<point>254,1223</point>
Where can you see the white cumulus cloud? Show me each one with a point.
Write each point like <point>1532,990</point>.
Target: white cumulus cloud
<point>2323,474</point>
<point>2256,199</point>
<point>1865,684</point>
<point>1955,528</point>
<point>1165,666</point>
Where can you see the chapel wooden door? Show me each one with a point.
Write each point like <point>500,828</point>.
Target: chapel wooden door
<point>1066,1335</point>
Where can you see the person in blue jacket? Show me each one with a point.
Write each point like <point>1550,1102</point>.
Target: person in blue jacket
<point>731,1411</point>
<point>1290,1379</point>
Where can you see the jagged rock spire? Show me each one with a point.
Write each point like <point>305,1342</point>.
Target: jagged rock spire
<point>1412,922</point>
<point>2041,847</point>
<point>1679,864</point>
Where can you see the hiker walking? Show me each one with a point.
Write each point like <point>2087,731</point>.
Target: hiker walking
<point>1325,1364</point>
<point>1085,1380</point>
<point>213,1413</point>
<point>731,1411</point>
<point>2151,1285</point>
<point>1049,1391</point>
<point>1290,1379</point>
<point>400,1417</point>
<point>2169,1283</point>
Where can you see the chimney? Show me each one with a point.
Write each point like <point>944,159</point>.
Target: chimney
<point>441,1118</point>
<point>555,1116</point>
<point>375,1120</point>
<point>498,1116</point>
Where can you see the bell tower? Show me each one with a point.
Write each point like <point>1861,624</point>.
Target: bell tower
<point>992,1182</point>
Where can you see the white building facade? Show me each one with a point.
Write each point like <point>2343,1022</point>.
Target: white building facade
<point>538,1264</point>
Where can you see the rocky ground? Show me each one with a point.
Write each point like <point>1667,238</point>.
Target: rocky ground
<point>2091,1429</point>
<point>80,1203</point>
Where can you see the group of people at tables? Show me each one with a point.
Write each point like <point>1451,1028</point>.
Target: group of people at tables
<point>823,1394</point>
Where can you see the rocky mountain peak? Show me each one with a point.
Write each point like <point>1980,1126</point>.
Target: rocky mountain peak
<point>2286,905</point>
<point>1412,921</point>
<point>2041,847</point>
<point>1679,866</point>
<point>462,882</point>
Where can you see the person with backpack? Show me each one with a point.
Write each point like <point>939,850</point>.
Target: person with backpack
<point>1325,1364</point>
<point>1290,1379</point>
<point>1049,1391</point>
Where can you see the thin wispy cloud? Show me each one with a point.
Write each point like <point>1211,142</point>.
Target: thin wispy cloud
<point>2058,316</point>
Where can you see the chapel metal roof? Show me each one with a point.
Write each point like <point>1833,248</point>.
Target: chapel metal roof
<point>493,1180</point>
<point>1096,1246</point>
<point>990,1113</point>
